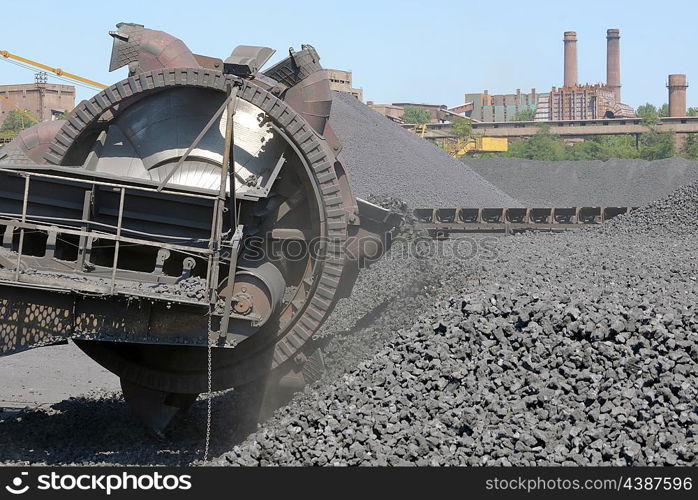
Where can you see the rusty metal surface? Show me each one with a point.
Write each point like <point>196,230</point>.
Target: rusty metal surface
<point>143,49</point>
<point>30,145</point>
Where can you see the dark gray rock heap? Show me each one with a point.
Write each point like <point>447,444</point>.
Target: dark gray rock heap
<point>385,160</point>
<point>572,349</point>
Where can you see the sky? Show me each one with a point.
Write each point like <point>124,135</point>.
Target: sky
<point>399,51</point>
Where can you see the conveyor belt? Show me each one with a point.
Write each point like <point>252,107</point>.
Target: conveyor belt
<point>440,222</point>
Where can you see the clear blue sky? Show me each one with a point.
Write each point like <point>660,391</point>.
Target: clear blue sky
<point>419,51</point>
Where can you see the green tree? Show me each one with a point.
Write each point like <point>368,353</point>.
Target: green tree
<point>413,114</point>
<point>589,149</point>
<point>663,110</point>
<point>690,147</point>
<point>692,112</point>
<point>462,128</point>
<point>17,121</point>
<point>648,112</point>
<point>542,146</point>
<point>525,115</point>
<point>657,145</point>
<point>604,148</point>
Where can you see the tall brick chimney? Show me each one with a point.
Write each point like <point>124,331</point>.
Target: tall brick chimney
<point>613,61</point>
<point>570,42</point>
<point>677,95</point>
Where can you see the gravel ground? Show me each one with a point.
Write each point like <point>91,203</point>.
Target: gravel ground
<point>575,349</point>
<point>586,183</point>
<point>385,160</point>
<point>48,375</point>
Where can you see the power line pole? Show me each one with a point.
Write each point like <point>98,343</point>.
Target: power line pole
<point>40,80</point>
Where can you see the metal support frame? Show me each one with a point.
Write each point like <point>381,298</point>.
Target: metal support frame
<point>118,238</point>
<point>25,202</point>
<point>228,174</point>
<point>82,244</point>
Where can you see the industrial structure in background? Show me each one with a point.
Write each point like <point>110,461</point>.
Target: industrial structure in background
<point>501,107</point>
<point>677,85</point>
<point>677,122</point>
<point>572,101</point>
<point>588,101</point>
<point>341,81</point>
<point>44,101</point>
<point>440,113</point>
<point>573,111</point>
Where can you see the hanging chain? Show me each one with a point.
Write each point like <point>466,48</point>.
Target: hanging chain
<point>209,348</point>
<point>231,103</point>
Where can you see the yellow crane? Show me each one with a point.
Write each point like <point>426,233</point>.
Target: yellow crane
<point>55,71</point>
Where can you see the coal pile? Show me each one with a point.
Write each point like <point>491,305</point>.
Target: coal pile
<point>668,217</point>
<point>385,160</point>
<point>574,349</point>
<point>586,183</point>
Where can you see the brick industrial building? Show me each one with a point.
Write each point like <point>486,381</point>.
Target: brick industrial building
<point>43,101</point>
<point>586,102</point>
<point>501,107</point>
<point>572,101</point>
<point>341,81</point>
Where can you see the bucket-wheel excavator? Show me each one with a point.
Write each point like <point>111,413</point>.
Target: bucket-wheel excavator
<point>189,227</point>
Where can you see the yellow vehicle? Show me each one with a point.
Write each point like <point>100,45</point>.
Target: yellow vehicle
<point>464,146</point>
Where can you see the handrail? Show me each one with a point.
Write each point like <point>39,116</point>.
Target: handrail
<point>22,173</point>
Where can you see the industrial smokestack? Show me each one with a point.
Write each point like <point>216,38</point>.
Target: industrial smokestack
<point>570,42</point>
<point>677,95</point>
<point>613,61</point>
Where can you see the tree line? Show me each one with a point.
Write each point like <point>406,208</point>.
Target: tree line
<point>650,145</point>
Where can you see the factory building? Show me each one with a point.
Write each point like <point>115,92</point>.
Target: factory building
<point>388,110</point>
<point>501,107</point>
<point>588,101</point>
<point>43,101</point>
<point>572,101</point>
<point>585,102</point>
<point>341,81</point>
